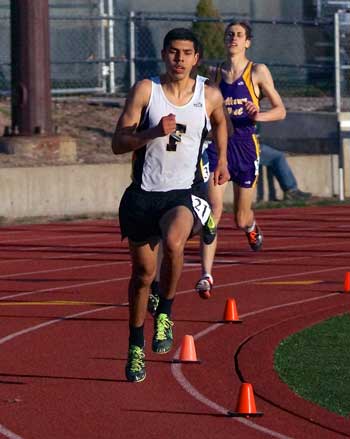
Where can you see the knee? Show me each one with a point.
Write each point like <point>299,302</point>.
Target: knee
<point>279,159</point>
<point>173,247</point>
<point>143,276</point>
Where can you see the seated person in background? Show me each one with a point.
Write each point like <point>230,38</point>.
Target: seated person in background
<point>277,162</point>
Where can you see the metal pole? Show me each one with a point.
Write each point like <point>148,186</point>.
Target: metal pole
<point>341,163</point>
<point>338,101</point>
<point>111,47</point>
<point>319,8</point>
<point>132,48</point>
<point>341,184</point>
<point>30,60</point>
<point>252,9</point>
<point>337,62</point>
<point>103,43</point>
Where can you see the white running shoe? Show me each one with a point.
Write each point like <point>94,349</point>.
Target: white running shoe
<point>204,286</point>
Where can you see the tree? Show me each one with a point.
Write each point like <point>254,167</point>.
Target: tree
<point>211,34</point>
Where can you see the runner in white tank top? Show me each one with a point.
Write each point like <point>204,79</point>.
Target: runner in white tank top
<point>170,162</point>
<point>163,123</point>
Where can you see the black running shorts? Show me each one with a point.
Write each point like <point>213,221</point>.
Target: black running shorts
<point>140,211</point>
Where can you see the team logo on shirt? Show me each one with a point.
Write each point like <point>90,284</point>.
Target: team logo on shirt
<point>175,138</point>
<point>198,104</point>
<point>241,83</point>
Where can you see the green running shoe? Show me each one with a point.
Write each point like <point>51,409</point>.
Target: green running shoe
<point>163,335</point>
<point>209,230</point>
<point>135,370</point>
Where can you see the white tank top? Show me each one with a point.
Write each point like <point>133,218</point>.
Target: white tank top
<point>168,163</point>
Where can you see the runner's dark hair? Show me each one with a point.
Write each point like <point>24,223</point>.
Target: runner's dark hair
<point>181,33</point>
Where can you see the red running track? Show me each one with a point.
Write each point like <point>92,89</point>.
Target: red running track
<point>64,330</point>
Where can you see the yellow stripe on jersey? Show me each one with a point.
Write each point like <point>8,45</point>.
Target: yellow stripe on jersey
<point>247,78</point>
<point>257,150</point>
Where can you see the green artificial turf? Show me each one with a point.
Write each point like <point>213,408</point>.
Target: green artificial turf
<point>315,363</point>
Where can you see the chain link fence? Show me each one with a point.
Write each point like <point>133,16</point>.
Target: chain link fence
<point>5,55</point>
<point>93,50</point>
<point>78,46</point>
<point>299,54</point>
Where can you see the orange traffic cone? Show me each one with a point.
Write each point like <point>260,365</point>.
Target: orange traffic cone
<point>188,351</point>
<point>347,282</point>
<point>246,403</point>
<point>230,312</point>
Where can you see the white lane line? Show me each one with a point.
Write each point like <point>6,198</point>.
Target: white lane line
<point>117,279</point>
<point>176,368</point>
<point>176,371</point>
<point>50,238</point>
<point>224,263</point>
<point>86,244</point>
<point>3,430</point>
<point>50,322</point>
<point>67,287</point>
<point>55,270</point>
<point>44,258</point>
<point>8,433</point>
<point>234,261</point>
<point>323,243</point>
<point>57,247</point>
<point>242,282</point>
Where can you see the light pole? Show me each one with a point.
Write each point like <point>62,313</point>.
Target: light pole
<point>31,134</point>
<point>30,61</point>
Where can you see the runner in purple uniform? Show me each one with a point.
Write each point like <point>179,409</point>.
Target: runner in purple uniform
<point>242,83</point>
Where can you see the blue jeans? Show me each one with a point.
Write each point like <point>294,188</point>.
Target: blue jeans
<point>276,160</point>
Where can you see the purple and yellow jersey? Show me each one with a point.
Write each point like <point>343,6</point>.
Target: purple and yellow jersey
<point>243,146</point>
<point>235,95</point>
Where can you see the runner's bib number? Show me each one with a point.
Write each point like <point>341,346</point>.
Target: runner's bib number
<point>202,208</point>
<point>205,172</point>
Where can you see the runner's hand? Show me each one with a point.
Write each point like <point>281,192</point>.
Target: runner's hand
<point>167,125</point>
<point>221,174</point>
<point>252,110</point>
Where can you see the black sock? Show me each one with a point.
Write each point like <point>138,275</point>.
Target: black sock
<point>155,287</point>
<point>136,336</point>
<point>164,306</point>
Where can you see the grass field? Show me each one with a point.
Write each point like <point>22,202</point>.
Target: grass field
<point>315,363</point>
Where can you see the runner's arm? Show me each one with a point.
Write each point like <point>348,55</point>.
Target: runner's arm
<point>263,78</point>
